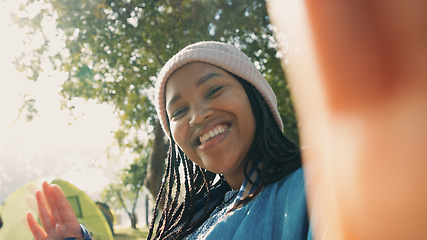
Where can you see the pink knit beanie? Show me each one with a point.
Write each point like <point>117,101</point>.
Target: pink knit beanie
<point>222,55</point>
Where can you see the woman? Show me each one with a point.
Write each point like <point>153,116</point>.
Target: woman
<point>220,113</point>
<point>231,173</point>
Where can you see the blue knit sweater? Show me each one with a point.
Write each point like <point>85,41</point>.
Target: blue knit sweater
<point>278,212</point>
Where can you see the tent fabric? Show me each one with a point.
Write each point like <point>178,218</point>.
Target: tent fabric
<point>23,200</point>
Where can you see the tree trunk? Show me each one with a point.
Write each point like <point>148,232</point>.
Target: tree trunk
<point>132,215</point>
<point>147,223</point>
<point>156,162</point>
<point>133,220</point>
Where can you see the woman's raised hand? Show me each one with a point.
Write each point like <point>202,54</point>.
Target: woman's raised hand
<point>56,215</point>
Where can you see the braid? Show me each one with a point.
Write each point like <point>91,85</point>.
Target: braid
<point>161,196</point>
<point>177,218</point>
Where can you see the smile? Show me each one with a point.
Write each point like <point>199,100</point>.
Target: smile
<point>213,133</point>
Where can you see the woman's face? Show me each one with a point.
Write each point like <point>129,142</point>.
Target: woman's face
<point>210,117</point>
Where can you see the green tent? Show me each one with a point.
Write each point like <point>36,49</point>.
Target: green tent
<point>23,200</point>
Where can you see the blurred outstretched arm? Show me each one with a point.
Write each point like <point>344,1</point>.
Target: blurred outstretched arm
<point>358,74</point>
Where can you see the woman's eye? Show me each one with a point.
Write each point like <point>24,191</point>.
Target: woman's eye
<point>214,90</point>
<point>178,112</point>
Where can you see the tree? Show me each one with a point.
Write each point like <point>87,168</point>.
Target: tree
<point>114,50</point>
<point>125,192</point>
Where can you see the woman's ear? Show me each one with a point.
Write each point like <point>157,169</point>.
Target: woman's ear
<point>357,73</point>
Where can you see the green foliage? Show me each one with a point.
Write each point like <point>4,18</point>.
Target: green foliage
<point>115,48</point>
<point>124,193</point>
<point>28,107</point>
<point>109,195</point>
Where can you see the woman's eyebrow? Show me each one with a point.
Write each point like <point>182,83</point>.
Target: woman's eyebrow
<point>198,83</point>
<point>206,77</point>
<point>173,100</point>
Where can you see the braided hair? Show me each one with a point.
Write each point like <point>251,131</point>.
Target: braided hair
<point>179,217</point>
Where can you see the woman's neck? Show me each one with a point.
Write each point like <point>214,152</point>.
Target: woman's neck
<point>236,179</point>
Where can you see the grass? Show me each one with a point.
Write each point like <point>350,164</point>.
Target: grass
<point>130,233</point>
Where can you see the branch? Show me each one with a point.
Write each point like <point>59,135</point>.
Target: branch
<point>122,202</point>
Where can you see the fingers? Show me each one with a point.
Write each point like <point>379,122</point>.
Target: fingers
<point>64,220</point>
<point>56,215</point>
<point>36,229</point>
<point>52,202</point>
<point>44,213</point>
<point>64,208</point>
<point>70,226</point>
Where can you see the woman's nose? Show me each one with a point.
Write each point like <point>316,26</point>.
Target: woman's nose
<point>200,115</point>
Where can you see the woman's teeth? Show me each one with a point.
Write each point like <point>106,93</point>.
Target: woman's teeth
<point>212,133</point>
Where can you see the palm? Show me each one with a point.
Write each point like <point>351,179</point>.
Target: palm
<point>56,215</point>
<point>359,82</point>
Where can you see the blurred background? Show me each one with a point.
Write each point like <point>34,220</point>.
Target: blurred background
<point>76,87</point>
<point>48,142</point>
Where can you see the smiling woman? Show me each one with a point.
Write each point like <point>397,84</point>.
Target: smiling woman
<point>221,115</point>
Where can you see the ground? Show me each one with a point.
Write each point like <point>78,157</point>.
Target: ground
<point>131,234</point>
